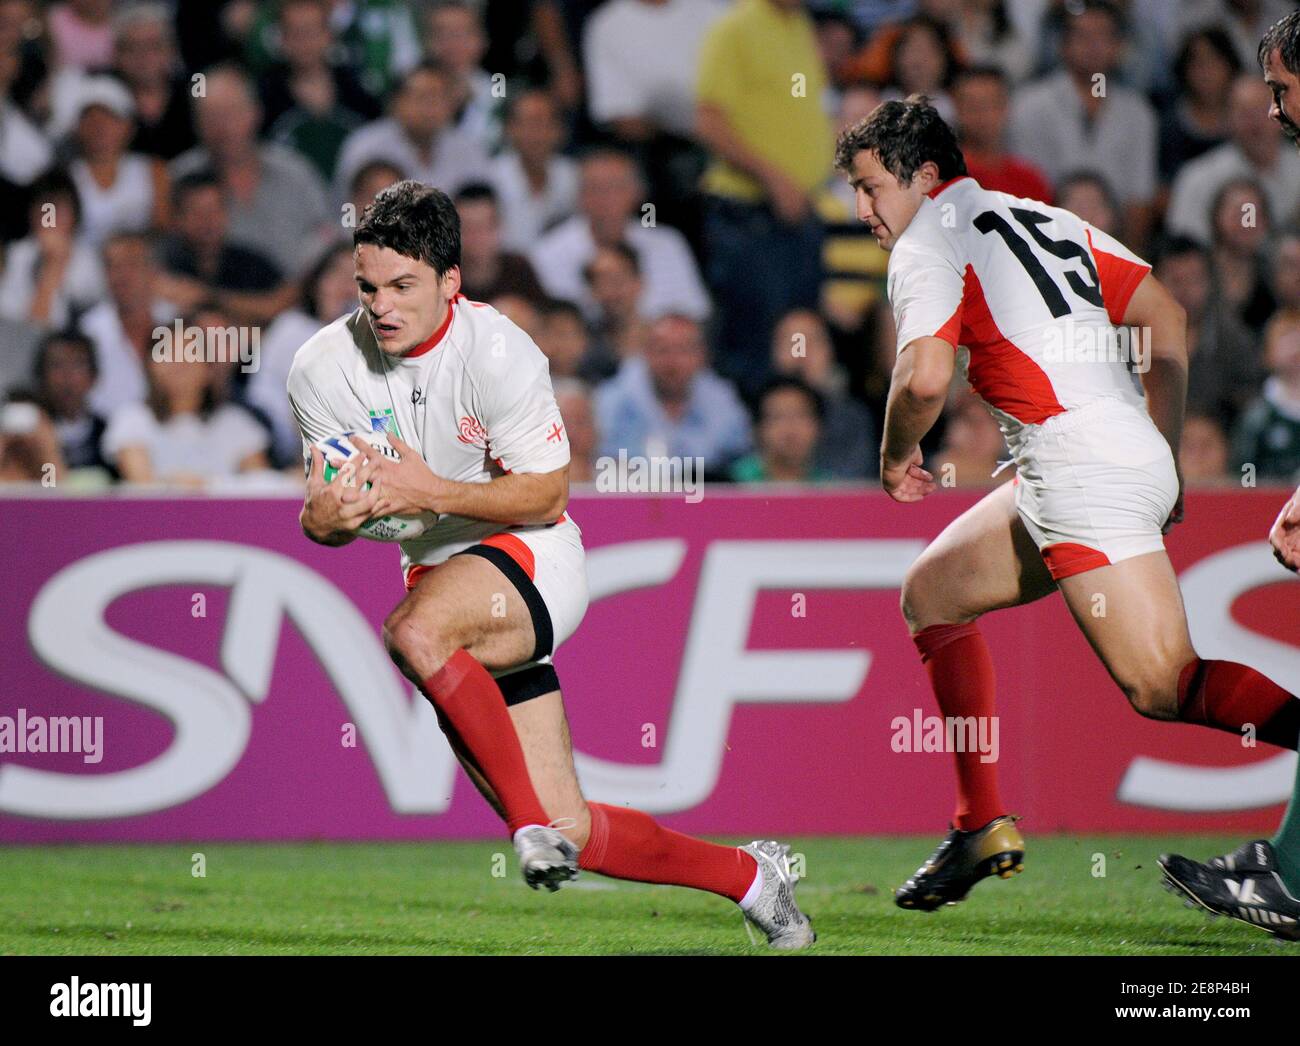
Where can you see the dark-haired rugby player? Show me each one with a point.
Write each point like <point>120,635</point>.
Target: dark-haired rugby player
<point>499,581</point>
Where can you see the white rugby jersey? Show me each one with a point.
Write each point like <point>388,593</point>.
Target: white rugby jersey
<point>475,400</point>
<point>1030,292</point>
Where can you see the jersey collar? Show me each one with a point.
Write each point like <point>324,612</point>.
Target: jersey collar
<point>933,193</point>
<point>432,342</point>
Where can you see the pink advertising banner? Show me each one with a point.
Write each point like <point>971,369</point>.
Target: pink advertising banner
<point>743,668</point>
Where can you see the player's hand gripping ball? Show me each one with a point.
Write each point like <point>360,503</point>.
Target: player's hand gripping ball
<point>339,451</point>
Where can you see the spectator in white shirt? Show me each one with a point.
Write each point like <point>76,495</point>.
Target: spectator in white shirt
<point>277,202</point>
<point>419,137</point>
<point>1255,150</point>
<point>122,326</point>
<point>50,274</point>
<point>536,185</point>
<point>1082,118</point>
<point>612,208</point>
<point>181,435</point>
<point>642,59</point>
<point>329,291</point>
<point>24,151</point>
<point>119,190</point>
<point>455,38</point>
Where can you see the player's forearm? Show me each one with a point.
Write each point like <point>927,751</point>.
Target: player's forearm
<point>513,498</point>
<point>908,417</point>
<point>1165,385</point>
<point>917,393</point>
<point>1163,324</point>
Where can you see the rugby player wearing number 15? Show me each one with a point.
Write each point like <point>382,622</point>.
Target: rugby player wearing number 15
<point>464,396</point>
<point>1006,288</point>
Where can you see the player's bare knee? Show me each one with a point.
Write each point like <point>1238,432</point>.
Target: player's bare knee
<point>418,646</point>
<point>1152,695</point>
<point>916,596</point>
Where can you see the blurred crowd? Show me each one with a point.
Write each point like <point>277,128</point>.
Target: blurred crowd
<point>645,187</point>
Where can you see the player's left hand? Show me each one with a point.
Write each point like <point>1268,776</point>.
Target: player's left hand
<point>408,487</point>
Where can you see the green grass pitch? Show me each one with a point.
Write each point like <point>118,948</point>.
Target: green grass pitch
<point>444,898</point>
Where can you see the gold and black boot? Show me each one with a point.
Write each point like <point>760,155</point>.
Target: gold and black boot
<point>962,860</point>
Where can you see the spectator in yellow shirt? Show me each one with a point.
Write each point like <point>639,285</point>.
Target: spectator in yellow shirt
<point>761,114</point>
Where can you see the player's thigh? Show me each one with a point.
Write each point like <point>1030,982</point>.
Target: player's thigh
<point>983,560</point>
<point>1132,613</point>
<point>464,602</point>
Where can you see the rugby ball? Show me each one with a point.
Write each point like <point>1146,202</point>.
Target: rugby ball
<point>339,452</point>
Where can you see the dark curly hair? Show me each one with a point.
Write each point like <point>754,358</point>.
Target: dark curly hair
<point>415,220</point>
<point>904,135</point>
<point>1283,36</point>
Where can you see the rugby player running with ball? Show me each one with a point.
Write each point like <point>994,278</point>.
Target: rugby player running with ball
<point>464,397</point>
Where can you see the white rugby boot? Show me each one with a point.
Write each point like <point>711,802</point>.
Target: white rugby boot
<point>774,910</point>
<point>546,856</point>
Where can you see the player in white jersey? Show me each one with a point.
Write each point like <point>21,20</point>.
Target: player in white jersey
<point>499,580</point>
<point>1024,297</point>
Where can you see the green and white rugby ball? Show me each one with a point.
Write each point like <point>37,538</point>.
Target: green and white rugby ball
<point>339,452</point>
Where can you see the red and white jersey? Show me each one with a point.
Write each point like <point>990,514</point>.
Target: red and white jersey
<point>1031,292</point>
<point>475,401</point>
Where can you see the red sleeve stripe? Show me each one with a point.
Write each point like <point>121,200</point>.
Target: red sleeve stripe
<point>1119,279</point>
<point>951,331</point>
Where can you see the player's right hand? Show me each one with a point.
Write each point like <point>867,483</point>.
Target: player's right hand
<point>1285,535</point>
<point>341,506</point>
<point>1176,515</point>
<point>907,481</point>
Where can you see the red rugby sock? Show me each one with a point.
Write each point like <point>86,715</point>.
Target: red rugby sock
<point>627,844</point>
<point>468,700</point>
<point>1227,696</point>
<point>961,673</point>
